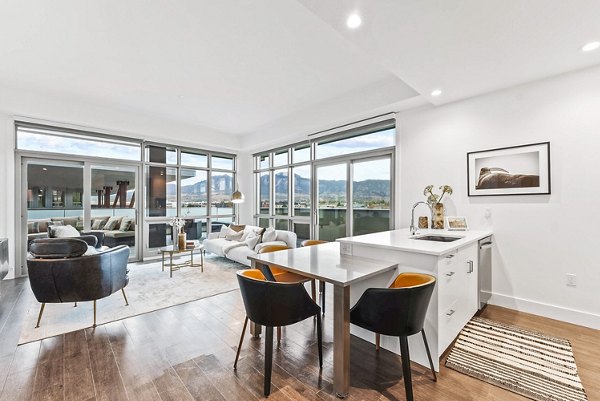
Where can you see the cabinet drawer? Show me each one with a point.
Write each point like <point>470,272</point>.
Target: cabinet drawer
<point>451,321</point>
<point>447,261</point>
<point>450,288</point>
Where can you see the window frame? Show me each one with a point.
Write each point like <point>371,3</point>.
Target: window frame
<point>312,144</point>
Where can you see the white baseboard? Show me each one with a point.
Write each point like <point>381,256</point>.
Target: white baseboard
<point>573,316</point>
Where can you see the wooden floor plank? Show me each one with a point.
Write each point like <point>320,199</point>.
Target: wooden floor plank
<point>107,378</point>
<point>79,383</point>
<point>186,353</point>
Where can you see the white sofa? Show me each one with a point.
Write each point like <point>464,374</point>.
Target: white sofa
<point>239,251</point>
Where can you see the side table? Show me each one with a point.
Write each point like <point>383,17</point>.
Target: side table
<point>171,250</point>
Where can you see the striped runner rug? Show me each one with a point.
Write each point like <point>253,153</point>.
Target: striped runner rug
<point>528,363</point>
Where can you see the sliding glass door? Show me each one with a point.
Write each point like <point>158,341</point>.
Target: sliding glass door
<point>332,201</point>
<point>88,196</point>
<point>114,204</point>
<point>353,197</point>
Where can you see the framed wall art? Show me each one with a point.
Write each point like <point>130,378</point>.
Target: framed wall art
<point>456,223</point>
<point>516,170</point>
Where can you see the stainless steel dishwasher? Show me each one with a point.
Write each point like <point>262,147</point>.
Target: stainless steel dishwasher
<point>485,271</point>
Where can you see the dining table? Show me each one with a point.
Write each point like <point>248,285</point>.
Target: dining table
<point>325,263</point>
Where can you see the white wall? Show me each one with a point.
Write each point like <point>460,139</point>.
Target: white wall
<point>538,239</point>
<point>69,111</point>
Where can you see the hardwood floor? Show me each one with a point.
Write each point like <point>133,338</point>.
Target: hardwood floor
<point>186,353</point>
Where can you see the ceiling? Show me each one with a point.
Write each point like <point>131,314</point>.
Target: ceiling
<point>237,66</point>
<point>469,47</point>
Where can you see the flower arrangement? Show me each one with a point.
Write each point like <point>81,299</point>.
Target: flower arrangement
<point>177,223</point>
<point>434,199</point>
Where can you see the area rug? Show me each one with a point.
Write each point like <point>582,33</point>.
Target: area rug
<point>532,364</point>
<point>149,289</point>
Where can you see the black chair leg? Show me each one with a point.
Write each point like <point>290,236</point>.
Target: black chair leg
<point>322,293</point>
<point>428,355</point>
<point>406,368</point>
<point>237,355</point>
<point>268,359</point>
<point>320,339</point>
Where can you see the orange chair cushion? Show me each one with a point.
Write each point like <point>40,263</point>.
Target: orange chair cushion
<point>411,280</point>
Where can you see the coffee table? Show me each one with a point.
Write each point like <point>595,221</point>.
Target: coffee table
<point>171,250</point>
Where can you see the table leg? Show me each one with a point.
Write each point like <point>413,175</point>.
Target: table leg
<point>202,260</point>
<point>171,265</point>
<point>192,257</point>
<point>163,261</point>
<point>341,340</point>
<point>255,329</point>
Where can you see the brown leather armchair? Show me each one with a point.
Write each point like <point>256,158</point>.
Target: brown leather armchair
<point>60,272</point>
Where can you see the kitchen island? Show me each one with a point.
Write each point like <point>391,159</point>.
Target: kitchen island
<point>453,263</point>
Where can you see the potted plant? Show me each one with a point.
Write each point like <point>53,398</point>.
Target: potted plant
<point>435,201</point>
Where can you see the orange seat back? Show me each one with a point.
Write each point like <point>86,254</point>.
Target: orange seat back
<point>273,248</point>
<point>254,274</point>
<point>311,242</point>
<point>405,280</point>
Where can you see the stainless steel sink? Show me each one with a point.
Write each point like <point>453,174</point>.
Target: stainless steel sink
<point>437,238</point>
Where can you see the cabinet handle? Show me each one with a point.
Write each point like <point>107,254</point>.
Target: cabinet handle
<point>450,274</point>
<point>450,256</point>
<point>470,262</point>
<point>450,312</point>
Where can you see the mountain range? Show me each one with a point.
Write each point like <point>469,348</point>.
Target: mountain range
<point>223,185</point>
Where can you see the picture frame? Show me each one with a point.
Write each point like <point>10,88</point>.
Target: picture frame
<point>456,223</point>
<point>515,170</point>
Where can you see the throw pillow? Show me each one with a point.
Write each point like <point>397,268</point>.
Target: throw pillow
<point>237,227</point>
<point>224,231</point>
<point>234,235</point>
<point>125,224</point>
<point>112,223</point>
<point>64,232</point>
<point>98,224</point>
<point>269,235</point>
<point>33,227</point>
<point>252,240</point>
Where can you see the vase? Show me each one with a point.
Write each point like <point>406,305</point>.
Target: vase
<point>181,237</point>
<point>438,216</point>
<point>423,222</point>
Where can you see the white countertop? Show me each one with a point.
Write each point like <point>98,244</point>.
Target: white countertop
<point>401,240</point>
<point>324,262</point>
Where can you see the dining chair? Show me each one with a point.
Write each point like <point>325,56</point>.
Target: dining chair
<point>398,311</point>
<point>312,242</point>
<point>283,276</point>
<point>275,304</point>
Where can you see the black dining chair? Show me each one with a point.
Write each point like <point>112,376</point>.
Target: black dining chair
<point>398,311</point>
<point>272,304</point>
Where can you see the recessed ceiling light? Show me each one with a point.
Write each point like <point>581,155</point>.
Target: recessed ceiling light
<point>436,92</point>
<point>353,21</point>
<point>44,168</point>
<point>588,47</point>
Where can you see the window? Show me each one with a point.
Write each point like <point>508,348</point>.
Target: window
<point>301,154</point>
<point>222,162</point>
<point>198,188</point>
<point>194,159</point>
<point>346,177</point>
<point>356,143</point>
<point>194,192</point>
<point>280,158</point>
<point>71,142</point>
<point>301,192</point>
<point>281,192</point>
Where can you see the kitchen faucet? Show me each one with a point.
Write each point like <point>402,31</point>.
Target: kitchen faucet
<point>413,229</point>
